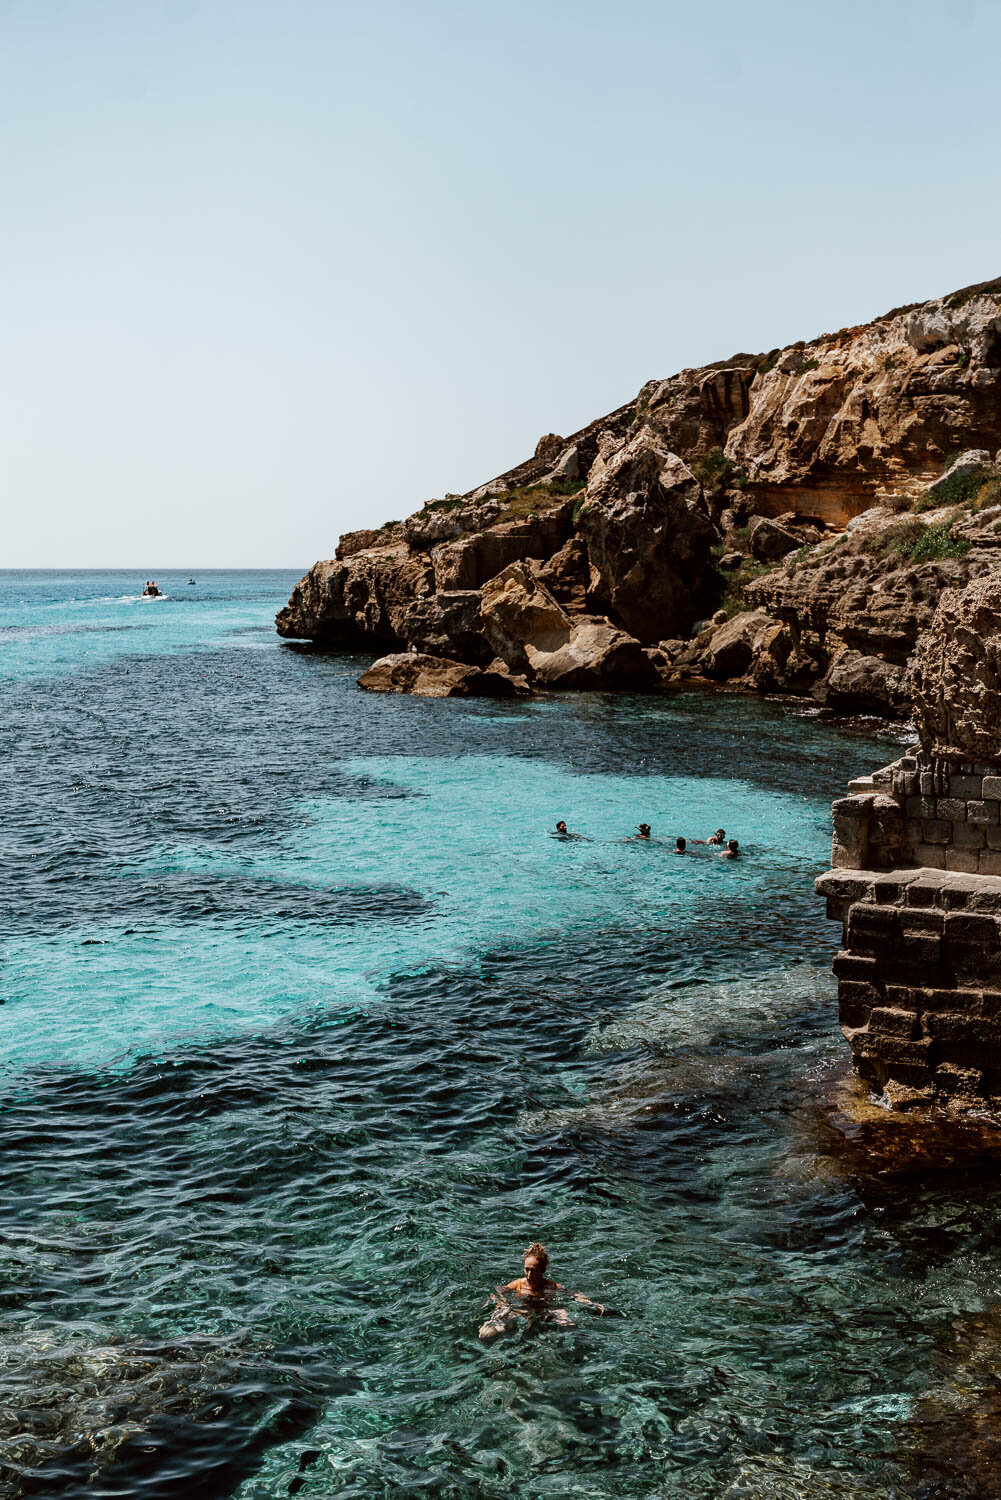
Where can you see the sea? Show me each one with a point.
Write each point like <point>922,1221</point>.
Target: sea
<point>310,1025</point>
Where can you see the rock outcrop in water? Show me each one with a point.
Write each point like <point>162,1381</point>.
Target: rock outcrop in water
<point>808,500</point>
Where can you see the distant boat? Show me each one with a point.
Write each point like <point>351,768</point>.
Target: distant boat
<point>190,582</point>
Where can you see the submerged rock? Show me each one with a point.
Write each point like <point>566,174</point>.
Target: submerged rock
<point>160,1418</point>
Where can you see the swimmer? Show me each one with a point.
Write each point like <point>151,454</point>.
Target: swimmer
<point>719,837</point>
<point>732,850</point>
<point>680,846</point>
<point>644,831</point>
<point>535,1292</point>
<point>562,833</point>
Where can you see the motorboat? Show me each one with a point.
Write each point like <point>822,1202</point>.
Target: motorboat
<point>150,591</point>
<point>190,582</point>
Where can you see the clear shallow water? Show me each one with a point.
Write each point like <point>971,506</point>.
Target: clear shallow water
<point>309,1027</point>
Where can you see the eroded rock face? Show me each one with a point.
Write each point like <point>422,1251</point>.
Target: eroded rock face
<point>864,412</point>
<point>653,514</point>
<point>435,677</point>
<point>363,600</point>
<point>531,632</point>
<point>647,536</point>
<point>955,677</point>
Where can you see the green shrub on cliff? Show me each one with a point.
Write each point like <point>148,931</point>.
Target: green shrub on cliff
<point>963,487</point>
<point>733,600</point>
<point>715,471</point>
<point>898,540</point>
<point>938,542</point>
<point>914,541</point>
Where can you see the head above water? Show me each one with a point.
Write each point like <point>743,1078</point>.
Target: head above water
<point>680,845</point>
<point>644,830</point>
<point>561,827</point>
<point>720,833</point>
<point>732,845</point>
<point>536,1259</point>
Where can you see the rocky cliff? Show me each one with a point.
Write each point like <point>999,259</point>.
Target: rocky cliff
<point>785,520</point>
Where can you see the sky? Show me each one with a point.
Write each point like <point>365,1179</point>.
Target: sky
<point>274,269</point>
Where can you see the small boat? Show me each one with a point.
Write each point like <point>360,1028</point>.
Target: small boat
<point>190,582</point>
<point>150,591</point>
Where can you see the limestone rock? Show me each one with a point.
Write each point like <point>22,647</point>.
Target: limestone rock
<point>770,541</point>
<point>955,675</point>
<point>442,521</point>
<point>548,447</point>
<point>648,539</point>
<point>569,465</point>
<point>863,684</point>
<point>732,646</point>
<point>596,656</point>
<point>521,619</point>
<point>434,677</point>
<point>362,600</point>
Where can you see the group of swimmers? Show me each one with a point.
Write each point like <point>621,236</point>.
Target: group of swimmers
<point>730,847</point>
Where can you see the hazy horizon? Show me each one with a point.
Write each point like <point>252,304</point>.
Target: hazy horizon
<point>275,273</point>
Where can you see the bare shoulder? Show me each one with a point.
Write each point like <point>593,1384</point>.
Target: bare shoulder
<point>554,1286</point>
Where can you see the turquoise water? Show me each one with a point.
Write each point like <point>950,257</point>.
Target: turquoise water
<point>310,1024</point>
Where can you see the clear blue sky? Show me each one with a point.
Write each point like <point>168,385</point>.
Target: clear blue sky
<point>274,270</point>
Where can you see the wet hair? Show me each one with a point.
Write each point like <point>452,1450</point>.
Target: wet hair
<point>561,827</point>
<point>732,844</point>
<point>721,833</point>
<point>644,827</point>
<point>680,844</point>
<point>540,1252</point>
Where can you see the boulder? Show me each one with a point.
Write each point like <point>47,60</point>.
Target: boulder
<point>955,674</point>
<point>648,539</point>
<point>549,447</point>
<point>569,465</point>
<point>596,656</point>
<point>733,645</point>
<point>862,684</point>
<point>435,677</point>
<point>769,541</point>
<point>521,619</point>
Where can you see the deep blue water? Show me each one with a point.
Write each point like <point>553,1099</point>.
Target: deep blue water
<point>309,1026</point>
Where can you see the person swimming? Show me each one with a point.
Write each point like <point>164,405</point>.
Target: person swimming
<point>644,831</point>
<point>719,837</point>
<point>535,1292</point>
<point>732,850</point>
<point>561,829</point>
<point>681,846</point>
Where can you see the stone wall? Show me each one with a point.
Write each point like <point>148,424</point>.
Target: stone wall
<point>916,883</point>
<point>922,810</point>
<point>919,981</point>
